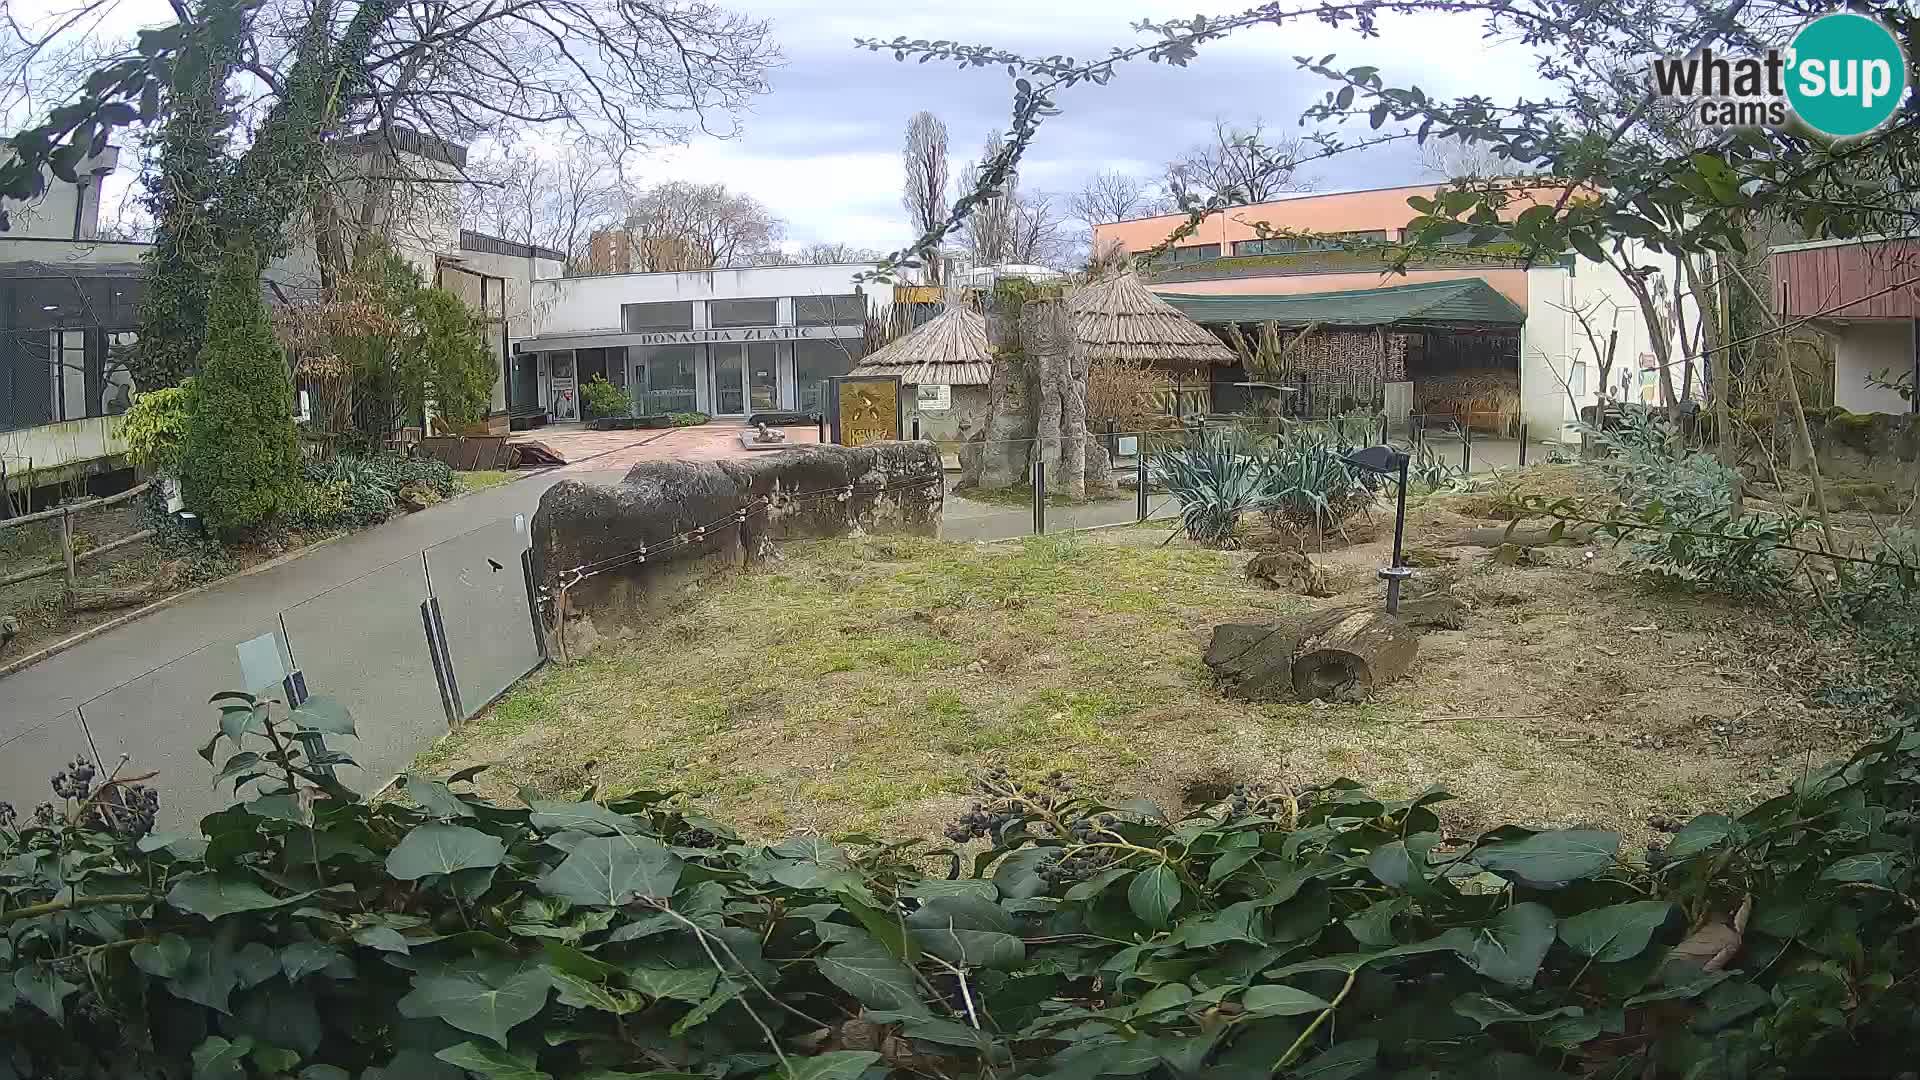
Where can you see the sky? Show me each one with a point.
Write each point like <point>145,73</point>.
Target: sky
<point>822,148</point>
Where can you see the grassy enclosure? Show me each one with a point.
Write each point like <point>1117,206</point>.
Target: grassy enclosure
<point>855,685</point>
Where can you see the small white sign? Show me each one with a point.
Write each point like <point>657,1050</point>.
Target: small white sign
<point>1128,445</point>
<point>935,397</point>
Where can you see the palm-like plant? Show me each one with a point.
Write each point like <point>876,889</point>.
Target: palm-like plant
<point>1217,475</point>
<point>1310,485</point>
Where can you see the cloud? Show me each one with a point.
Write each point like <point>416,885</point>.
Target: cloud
<point>822,149</point>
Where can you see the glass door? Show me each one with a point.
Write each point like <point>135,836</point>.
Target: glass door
<point>561,387</point>
<point>729,379</point>
<point>763,377</point>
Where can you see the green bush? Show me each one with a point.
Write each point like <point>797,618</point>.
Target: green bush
<point>1298,479</point>
<point>241,460</point>
<point>605,399</point>
<point>155,427</point>
<point>352,491</point>
<point>460,364</point>
<point>688,419</point>
<point>1325,933</point>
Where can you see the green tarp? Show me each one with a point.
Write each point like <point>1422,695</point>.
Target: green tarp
<point>1468,301</point>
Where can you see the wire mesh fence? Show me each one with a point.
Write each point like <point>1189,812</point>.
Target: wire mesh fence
<point>411,648</point>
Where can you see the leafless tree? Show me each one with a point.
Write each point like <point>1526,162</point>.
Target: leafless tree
<point>1113,196</point>
<point>1240,163</point>
<point>1454,159</point>
<point>823,253</point>
<point>685,226</point>
<point>924,194</point>
<point>1037,235</point>
<point>558,203</point>
<point>989,234</point>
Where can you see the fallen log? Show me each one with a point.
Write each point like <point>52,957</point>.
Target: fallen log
<point>108,598</point>
<point>1342,654</point>
<point>1531,536</point>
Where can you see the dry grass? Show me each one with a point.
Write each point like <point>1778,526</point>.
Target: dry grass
<point>856,683</point>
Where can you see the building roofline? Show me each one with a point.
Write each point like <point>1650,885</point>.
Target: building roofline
<point>1857,241</point>
<point>715,270</point>
<point>1304,195</point>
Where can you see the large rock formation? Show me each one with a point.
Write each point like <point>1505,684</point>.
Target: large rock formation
<point>626,548</point>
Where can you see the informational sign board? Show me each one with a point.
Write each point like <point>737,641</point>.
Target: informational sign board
<point>865,409</point>
<point>934,397</point>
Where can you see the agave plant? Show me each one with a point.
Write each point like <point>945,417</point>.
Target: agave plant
<point>1217,476</point>
<point>1311,487</point>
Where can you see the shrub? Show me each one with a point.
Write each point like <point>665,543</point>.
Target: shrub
<point>1324,932</point>
<point>155,428</point>
<point>602,398</point>
<point>353,491</point>
<point>1131,395</point>
<point>1217,475</point>
<point>688,419</point>
<point>1310,486</point>
<point>241,460</point>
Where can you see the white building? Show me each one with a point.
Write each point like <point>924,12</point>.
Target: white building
<point>723,342</point>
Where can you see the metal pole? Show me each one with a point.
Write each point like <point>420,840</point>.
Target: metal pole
<point>1466,448</point>
<point>1040,496</point>
<point>1399,534</point>
<point>1140,490</point>
<point>1523,445</point>
<point>916,427</point>
<point>1383,429</point>
<point>1418,422</point>
<point>821,423</point>
<point>66,543</point>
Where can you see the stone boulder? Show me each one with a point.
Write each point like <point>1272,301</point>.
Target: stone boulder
<point>633,546</point>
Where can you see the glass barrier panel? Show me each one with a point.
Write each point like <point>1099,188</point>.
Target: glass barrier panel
<point>162,719</point>
<point>482,591</point>
<point>364,644</point>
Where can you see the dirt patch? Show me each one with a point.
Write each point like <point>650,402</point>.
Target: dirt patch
<point>857,683</point>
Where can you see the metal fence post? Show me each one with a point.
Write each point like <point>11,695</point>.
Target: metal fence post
<point>820,424</point>
<point>533,602</point>
<point>1523,445</point>
<point>66,543</point>
<point>1140,490</point>
<point>916,427</point>
<point>1466,447</point>
<point>1039,494</point>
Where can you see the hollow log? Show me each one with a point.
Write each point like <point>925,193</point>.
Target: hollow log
<point>1347,660</point>
<point>1341,654</point>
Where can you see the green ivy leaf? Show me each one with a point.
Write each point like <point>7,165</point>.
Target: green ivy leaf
<point>963,930</point>
<point>588,817</point>
<point>1488,1011</point>
<point>323,714</point>
<point>303,958</point>
<point>676,984</point>
<point>218,1059</point>
<point>1154,894</point>
<point>1619,932</point>
<point>581,993</point>
<point>163,959</point>
<point>705,1009</point>
<point>492,1063</point>
<point>875,977</point>
<point>1699,835</point>
<point>1550,859</point>
<point>477,1000</point>
<point>1277,999</point>
<point>610,871</point>
<point>443,849</point>
<point>834,1065</point>
<point>435,797</point>
<point>1871,867</point>
<point>383,938</point>
<point>1509,948</point>
<point>1341,1061</point>
<point>212,895</point>
<point>44,989</point>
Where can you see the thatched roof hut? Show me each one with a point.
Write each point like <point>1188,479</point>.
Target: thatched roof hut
<point>1121,319</point>
<point>950,348</point>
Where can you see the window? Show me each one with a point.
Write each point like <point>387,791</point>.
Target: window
<point>650,318</point>
<point>67,353</point>
<point>661,378</point>
<point>813,363</point>
<point>845,310</point>
<point>1285,245</point>
<point>1577,380</point>
<point>725,313</point>
<point>1193,253</point>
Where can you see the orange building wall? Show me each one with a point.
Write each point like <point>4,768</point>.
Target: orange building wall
<point>1347,211</point>
<point>1511,282</point>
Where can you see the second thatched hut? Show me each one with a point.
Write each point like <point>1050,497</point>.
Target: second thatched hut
<point>948,351</point>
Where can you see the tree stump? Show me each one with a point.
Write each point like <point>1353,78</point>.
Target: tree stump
<point>1342,654</point>
<point>1289,570</point>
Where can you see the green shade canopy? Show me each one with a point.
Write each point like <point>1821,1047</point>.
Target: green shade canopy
<point>1468,300</point>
